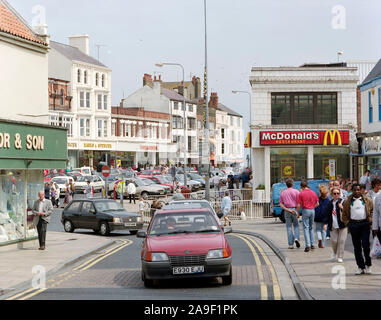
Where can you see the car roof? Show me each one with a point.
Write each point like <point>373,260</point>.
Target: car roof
<point>190,201</point>
<point>166,211</point>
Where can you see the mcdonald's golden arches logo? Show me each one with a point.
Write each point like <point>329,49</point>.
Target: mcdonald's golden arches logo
<point>332,134</point>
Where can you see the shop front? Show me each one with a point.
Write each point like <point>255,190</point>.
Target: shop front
<point>370,156</point>
<point>306,154</point>
<point>25,151</point>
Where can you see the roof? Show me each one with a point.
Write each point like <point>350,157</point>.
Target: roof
<point>175,84</point>
<point>12,23</point>
<point>173,95</point>
<point>185,210</point>
<point>375,73</point>
<point>229,111</point>
<point>73,53</point>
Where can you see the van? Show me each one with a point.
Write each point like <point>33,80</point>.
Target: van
<point>277,189</point>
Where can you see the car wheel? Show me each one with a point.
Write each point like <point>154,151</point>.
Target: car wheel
<point>282,218</point>
<point>145,195</point>
<point>148,283</point>
<point>133,232</point>
<point>104,228</point>
<point>227,280</point>
<point>68,226</point>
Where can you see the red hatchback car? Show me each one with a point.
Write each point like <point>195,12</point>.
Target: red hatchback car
<point>187,243</point>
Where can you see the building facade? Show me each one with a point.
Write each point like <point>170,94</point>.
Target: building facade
<point>303,119</point>
<point>88,116</point>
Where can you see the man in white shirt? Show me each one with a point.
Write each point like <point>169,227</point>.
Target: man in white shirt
<point>131,190</point>
<point>42,209</point>
<point>216,182</point>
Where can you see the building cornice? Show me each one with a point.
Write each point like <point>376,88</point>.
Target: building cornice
<point>23,43</point>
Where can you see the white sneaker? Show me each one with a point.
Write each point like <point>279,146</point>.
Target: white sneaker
<point>339,260</point>
<point>291,247</point>
<point>333,257</point>
<point>368,270</point>
<point>327,238</point>
<point>359,271</point>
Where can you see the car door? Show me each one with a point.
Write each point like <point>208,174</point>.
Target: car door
<point>88,215</point>
<point>73,213</point>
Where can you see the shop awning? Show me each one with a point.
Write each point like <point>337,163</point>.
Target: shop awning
<point>364,155</point>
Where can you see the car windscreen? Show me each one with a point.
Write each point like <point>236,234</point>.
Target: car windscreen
<point>85,178</point>
<point>183,223</point>
<point>164,180</point>
<point>146,172</point>
<point>60,181</point>
<point>148,181</point>
<point>108,206</point>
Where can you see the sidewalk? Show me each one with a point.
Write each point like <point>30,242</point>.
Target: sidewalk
<point>62,249</point>
<point>314,269</point>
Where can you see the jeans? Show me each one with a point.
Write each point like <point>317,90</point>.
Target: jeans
<point>360,233</point>
<point>292,220</point>
<point>41,229</point>
<point>328,233</point>
<point>132,196</point>
<point>121,198</point>
<point>320,232</point>
<point>308,217</point>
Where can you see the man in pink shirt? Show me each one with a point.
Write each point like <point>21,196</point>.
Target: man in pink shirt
<point>308,201</point>
<point>288,201</point>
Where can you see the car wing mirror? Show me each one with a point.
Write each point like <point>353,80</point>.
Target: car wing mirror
<point>92,211</point>
<point>228,230</point>
<point>141,234</point>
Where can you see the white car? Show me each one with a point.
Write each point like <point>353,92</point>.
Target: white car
<point>96,182</point>
<point>61,181</point>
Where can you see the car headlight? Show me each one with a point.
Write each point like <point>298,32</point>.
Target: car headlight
<point>116,220</point>
<point>139,219</point>
<point>159,256</point>
<point>217,253</point>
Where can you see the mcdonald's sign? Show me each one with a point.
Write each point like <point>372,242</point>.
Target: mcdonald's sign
<point>248,140</point>
<point>332,134</point>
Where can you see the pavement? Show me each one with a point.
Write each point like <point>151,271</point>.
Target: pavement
<point>322,279</point>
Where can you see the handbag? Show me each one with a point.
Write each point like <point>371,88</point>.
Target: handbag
<point>376,248</point>
<point>220,214</point>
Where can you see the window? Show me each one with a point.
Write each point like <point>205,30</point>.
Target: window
<point>99,102</point>
<point>177,122</point>
<point>175,105</point>
<point>88,99</point>
<point>370,107</point>
<point>199,125</point>
<point>85,77</point>
<point>53,121</point>
<point>222,133</point>
<point>82,127</point>
<point>190,106</point>
<point>97,79</point>
<point>231,121</point>
<point>100,125</point>
<point>113,133</point>
<point>223,148</point>
<point>105,102</point>
<point>103,80</point>
<point>127,128</point>
<point>62,97</point>
<point>105,128</point>
<point>304,108</point>
<point>68,123</point>
<point>74,207</point>
<point>79,76</point>
<point>233,136</point>
<point>87,127</point>
<point>189,144</point>
<point>86,207</point>
<point>82,99</point>
<point>191,124</point>
<point>182,106</point>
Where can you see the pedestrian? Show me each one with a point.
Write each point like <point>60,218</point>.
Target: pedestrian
<point>288,201</point>
<point>348,188</point>
<point>307,201</point>
<point>321,217</point>
<point>216,182</point>
<point>365,179</point>
<point>121,188</point>
<point>131,190</point>
<point>226,207</point>
<point>330,186</point>
<point>343,193</point>
<point>141,205</point>
<point>242,214</point>
<point>42,209</point>
<point>53,194</point>
<point>336,226</point>
<point>72,188</point>
<point>89,190</point>
<point>154,207</point>
<point>376,225</point>
<point>375,191</point>
<point>362,189</point>
<point>357,215</point>
<point>47,191</point>
<point>67,199</point>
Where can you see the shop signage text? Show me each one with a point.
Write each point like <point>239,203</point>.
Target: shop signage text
<point>32,142</point>
<point>328,137</point>
<point>149,147</point>
<point>97,145</point>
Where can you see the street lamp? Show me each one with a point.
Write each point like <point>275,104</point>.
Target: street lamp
<point>160,65</point>
<point>247,92</point>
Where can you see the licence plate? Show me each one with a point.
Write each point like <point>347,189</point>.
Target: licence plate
<point>130,224</point>
<point>188,270</point>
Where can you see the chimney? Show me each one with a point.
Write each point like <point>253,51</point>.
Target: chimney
<point>180,89</point>
<point>213,102</point>
<point>157,86</point>
<point>42,32</point>
<point>81,42</point>
<point>147,80</point>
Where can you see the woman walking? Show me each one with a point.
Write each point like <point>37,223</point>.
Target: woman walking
<point>321,216</point>
<point>226,206</point>
<point>337,228</point>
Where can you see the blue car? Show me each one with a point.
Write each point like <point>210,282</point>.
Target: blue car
<point>276,210</point>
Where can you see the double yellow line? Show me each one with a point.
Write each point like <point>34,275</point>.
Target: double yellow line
<point>82,267</point>
<point>264,292</point>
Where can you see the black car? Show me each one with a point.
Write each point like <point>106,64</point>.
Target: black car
<point>100,215</point>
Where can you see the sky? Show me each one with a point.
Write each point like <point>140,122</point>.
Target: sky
<point>241,34</point>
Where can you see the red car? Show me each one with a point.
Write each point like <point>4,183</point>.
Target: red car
<point>161,180</point>
<point>186,243</point>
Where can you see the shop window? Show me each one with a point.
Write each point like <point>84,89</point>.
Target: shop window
<point>321,161</point>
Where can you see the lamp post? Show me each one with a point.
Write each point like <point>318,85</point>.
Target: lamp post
<point>185,120</point>
<point>247,92</point>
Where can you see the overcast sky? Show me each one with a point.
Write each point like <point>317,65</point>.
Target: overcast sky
<point>241,34</point>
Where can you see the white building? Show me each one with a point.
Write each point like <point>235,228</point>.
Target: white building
<point>370,135</point>
<point>299,113</point>
<point>89,120</point>
<point>229,137</point>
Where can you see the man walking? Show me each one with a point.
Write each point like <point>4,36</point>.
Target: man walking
<point>121,188</point>
<point>42,209</point>
<point>365,179</point>
<point>307,201</point>
<point>131,190</point>
<point>376,225</point>
<point>89,190</point>
<point>357,214</point>
<point>289,202</point>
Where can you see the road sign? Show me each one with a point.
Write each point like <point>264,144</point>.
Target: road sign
<point>105,171</point>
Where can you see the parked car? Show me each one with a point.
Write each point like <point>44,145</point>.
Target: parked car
<point>74,175</point>
<point>163,181</point>
<point>61,182</point>
<point>84,170</point>
<point>151,182</point>
<point>143,189</point>
<point>96,182</point>
<point>100,215</point>
<point>191,184</point>
<point>198,178</point>
<point>277,189</point>
<point>185,243</point>
<point>149,173</point>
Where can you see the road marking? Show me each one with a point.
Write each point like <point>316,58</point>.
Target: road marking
<point>264,294</point>
<point>85,265</point>
<point>276,288</point>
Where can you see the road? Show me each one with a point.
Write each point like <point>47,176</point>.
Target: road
<point>114,274</point>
